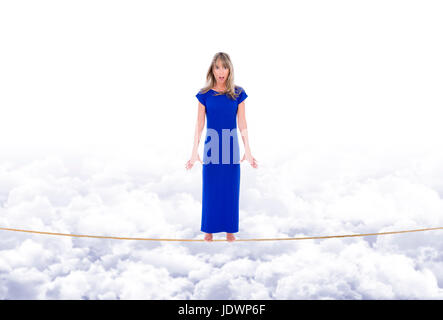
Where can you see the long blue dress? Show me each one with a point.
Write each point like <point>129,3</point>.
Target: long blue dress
<point>221,162</point>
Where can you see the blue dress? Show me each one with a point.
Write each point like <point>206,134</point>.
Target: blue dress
<point>221,162</point>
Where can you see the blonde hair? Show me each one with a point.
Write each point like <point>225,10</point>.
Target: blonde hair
<point>211,81</point>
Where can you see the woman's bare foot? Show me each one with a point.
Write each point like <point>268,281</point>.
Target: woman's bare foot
<point>230,237</point>
<point>208,237</point>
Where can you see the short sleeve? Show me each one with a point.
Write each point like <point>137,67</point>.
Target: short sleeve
<point>202,98</point>
<point>242,96</point>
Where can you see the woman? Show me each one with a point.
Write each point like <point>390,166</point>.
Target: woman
<point>221,100</point>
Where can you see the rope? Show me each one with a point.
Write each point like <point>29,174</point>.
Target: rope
<point>201,240</point>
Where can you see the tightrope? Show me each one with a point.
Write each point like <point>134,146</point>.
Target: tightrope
<point>201,240</point>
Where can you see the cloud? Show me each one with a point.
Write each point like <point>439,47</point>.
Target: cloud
<point>98,195</point>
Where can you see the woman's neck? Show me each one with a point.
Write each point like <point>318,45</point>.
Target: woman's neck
<point>219,89</point>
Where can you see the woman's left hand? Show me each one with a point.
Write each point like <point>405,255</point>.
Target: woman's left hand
<point>250,159</point>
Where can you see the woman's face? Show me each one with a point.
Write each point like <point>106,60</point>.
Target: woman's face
<point>220,73</point>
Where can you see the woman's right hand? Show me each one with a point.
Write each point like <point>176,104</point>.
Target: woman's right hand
<point>191,161</point>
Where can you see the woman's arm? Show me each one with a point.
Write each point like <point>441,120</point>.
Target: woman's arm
<point>199,126</point>
<point>242,125</point>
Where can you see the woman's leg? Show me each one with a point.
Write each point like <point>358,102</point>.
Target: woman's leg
<point>208,236</point>
<point>230,237</point>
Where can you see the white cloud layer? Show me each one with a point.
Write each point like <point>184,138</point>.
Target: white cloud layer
<point>314,193</point>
